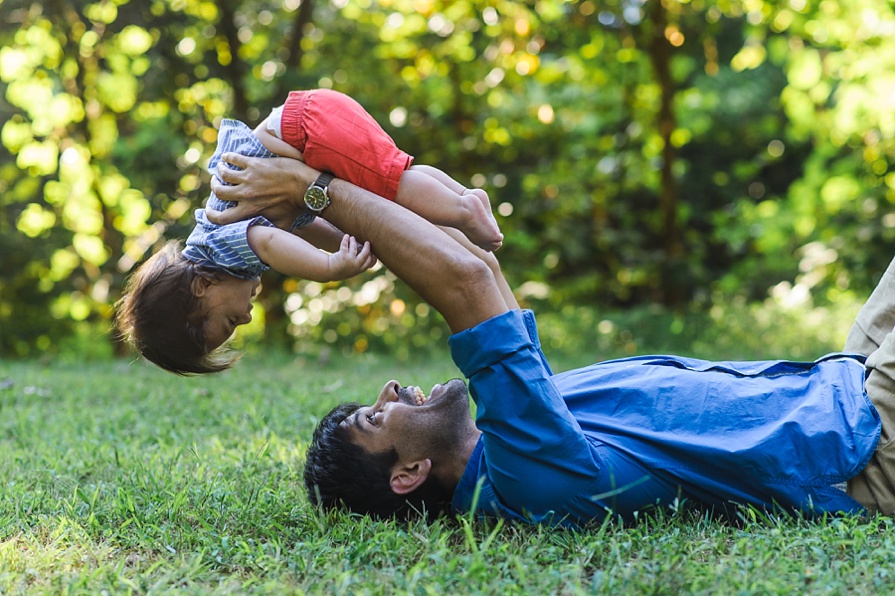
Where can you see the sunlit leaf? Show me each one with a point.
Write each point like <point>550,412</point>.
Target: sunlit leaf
<point>35,220</point>
<point>41,41</point>
<point>55,193</point>
<point>839,190</point>
<point>111,187</point>
<point>118,91</point>
<point>33,96</point>
<point>79,309</point>
<point>103,135</point>
<point>135,212</point>
<point>101,12</point>
<point>139,66</point>
<point>15,133</point>
<point>62,263</point>
<point>134,40</point>
<point>90,248</point>
<point>805,70</point>
<point>15,64</point>
<point>39,157</point>
<point>82,213</point>
<point>62,110</point>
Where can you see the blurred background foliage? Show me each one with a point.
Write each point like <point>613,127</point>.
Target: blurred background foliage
<point>673,159</point>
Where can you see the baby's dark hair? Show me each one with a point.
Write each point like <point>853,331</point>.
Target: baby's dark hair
<point>162,318</point>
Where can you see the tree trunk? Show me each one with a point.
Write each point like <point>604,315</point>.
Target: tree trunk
<point>236,69</point>
<point>302,18</point>
<point>660,50</point>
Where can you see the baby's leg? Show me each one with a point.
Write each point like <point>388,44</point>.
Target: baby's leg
<point>274,143</point>
<point>442,200</point>
<point>441,176</point>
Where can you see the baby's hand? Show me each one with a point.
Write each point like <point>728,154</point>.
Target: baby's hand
<point>352,258</point>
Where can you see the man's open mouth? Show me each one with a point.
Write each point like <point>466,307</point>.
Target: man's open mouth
<point>418,396</point>
<point>414,396</point>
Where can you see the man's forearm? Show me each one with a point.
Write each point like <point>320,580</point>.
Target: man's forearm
<point>445,274</point>
<point>321,234</point>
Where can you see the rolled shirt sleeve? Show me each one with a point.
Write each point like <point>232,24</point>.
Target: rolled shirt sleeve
<point>536,455</point>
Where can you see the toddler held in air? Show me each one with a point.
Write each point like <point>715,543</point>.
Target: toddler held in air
<point>183,303</point>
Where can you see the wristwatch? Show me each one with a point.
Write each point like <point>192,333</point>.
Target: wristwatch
<point>316,198</point>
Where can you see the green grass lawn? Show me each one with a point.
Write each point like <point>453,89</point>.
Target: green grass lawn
<point>118,477</point>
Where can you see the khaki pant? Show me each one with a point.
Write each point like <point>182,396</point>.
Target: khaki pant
<point>873,335</point>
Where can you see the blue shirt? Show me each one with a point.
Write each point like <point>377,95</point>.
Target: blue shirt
<point>622,436</point>
<point>226,247</point>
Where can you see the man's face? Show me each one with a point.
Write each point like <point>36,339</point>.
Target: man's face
<point>417,426</point>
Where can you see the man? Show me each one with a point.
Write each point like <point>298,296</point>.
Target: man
<point>614,438</point>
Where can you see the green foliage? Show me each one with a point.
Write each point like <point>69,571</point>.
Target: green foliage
<point>636,153</point>
<point>164,484</point>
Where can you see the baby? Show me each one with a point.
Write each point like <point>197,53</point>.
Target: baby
<point>183,303</point>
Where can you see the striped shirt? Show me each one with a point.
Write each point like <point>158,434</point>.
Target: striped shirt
<point>226,247</point>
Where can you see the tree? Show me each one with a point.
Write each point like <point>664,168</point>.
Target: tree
<point>636,152</point>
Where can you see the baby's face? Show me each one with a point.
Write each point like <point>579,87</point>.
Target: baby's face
<point>227,304</point>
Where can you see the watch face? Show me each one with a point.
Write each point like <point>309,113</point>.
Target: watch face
<point>316,198</point>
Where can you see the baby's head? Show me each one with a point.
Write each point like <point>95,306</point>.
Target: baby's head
<point>178,314</point>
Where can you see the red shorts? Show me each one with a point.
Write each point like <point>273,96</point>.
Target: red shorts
<point>335,134</point>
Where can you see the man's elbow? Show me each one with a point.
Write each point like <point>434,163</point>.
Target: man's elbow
<point>471,279</point>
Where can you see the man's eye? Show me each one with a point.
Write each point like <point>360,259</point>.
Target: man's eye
<point>371,418</point>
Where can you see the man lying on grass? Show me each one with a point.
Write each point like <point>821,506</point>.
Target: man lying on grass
<point>613,438</point>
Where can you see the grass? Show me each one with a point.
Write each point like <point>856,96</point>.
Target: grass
<point>117,477</point>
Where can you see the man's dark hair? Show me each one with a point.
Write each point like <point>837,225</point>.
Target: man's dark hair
<point>339,473</point>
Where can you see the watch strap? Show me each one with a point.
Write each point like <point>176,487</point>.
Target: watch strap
<point>324,179</point>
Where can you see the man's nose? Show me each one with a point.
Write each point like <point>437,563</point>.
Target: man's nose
<point>388,393</point>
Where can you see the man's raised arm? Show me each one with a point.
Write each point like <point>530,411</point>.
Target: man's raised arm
<point>451,279</point>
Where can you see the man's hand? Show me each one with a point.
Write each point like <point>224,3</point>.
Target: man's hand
<point>273,187</point>
<point>351,259</point>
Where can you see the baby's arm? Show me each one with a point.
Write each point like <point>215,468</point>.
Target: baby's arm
<point>291,255</point>
<point>322,234</point>
<point>274,143</point>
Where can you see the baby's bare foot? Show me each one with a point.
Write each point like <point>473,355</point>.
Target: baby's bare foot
<point>480,226</point>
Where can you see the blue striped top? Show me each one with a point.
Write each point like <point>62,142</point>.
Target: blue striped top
<point>226,247</point>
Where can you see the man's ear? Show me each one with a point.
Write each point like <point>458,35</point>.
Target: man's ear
<point>199,285</point>
<point>407,478</point>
